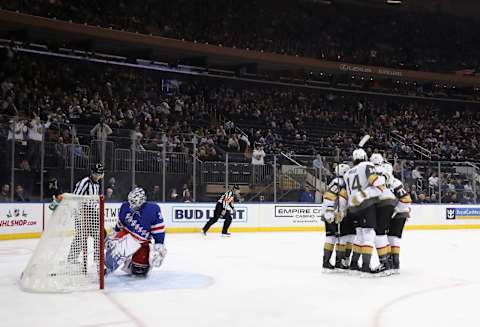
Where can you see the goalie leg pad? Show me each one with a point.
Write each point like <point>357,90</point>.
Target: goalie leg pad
<point>119,250</point>
<point>140,270</point>
<point>140,260</point>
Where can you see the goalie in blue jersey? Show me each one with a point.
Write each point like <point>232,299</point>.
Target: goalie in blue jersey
<point>136,243</point>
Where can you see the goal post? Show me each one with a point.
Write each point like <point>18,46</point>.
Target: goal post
<point>70,254</point>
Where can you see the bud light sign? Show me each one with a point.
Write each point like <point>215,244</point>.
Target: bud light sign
<point>201,214</point>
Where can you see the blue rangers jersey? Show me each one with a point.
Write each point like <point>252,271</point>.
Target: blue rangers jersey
<point>143,224</point>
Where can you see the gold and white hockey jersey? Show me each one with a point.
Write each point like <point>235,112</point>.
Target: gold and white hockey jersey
<point>330,197</point>
<point>363,185</point>
<point>386,198</point>
<point>334,200</point>
<point>402,209</point>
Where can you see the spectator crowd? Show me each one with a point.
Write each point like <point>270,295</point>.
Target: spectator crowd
<point>347,33</point>
<point>118,104</point>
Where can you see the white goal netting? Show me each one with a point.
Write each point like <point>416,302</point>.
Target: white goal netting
<point>69,256</point>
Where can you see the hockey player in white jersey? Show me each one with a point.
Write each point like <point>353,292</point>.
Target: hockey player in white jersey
<point>332,216</point>
<point>128,245</point>
<point>364,187</point>
<point>385,207</point>
<point>399,217</point>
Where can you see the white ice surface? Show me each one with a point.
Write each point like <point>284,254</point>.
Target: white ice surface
<point>262,279</point>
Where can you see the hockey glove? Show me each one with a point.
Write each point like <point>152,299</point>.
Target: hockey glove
<point>329,215</point>
<point>339,216</point>
<point>158,254</point>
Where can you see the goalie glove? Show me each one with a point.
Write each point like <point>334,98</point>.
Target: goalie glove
<point>329,215</point>
<point>158,254</point>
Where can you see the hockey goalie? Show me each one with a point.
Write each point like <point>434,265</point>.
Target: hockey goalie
<point>129,244</point>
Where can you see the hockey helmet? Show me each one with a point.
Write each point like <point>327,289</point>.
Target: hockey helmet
<point>376,159</point>
<point>359,155</point>
<point>341,169</point>
<point>387,167</point>
<point>236,189</point>
<point>98,169</point>
<point>136,198</point>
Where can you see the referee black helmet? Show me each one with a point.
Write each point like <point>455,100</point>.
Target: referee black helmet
<point>98,169</point>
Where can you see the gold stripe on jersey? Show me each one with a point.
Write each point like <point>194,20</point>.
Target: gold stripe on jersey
<point>406,199</point>
<point>372,178</point>
<point>330,196</point>
<point>343,194</point>
<point>341,247</point>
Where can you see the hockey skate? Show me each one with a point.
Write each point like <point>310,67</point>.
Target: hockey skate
<point>380,271</point>
<point>354,268</point>
<point>395,268</point>
<point>226,234</point>
<point>341,266</point>
<point>327,267</point>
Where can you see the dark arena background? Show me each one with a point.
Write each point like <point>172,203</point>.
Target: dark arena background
<point>268,100</point>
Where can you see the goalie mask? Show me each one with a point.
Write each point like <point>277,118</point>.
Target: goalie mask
<point>136,198</point>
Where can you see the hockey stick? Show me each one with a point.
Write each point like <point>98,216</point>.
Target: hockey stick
<point>364,140</point>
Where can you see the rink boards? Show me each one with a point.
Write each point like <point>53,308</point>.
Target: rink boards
<point>20,220</point>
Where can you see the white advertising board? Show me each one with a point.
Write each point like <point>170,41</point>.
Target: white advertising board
<point>26,220</point>
<point>21,219</point>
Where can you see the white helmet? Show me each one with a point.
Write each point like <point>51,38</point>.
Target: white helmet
<point>341,169</point>
<point>359,154</point>
<point>136,198</point>
<point>376,159</point>
<point>387,167</point>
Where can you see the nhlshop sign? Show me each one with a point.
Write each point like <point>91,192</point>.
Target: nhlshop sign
<point>21,218</point>
<point>192,213</point>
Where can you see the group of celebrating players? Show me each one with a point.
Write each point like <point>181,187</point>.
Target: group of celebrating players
<point>364,208</point>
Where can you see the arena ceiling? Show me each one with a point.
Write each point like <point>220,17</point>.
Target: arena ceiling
<point>456,7</point>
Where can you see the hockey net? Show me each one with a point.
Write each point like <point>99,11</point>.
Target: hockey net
<point>69,256</point>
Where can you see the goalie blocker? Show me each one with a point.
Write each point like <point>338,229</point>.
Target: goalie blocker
<point>129,244</point>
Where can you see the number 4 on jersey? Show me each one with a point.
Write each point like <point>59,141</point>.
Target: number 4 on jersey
<point>354,184</point>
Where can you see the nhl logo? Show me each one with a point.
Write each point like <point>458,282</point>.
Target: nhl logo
<point>450,213</point>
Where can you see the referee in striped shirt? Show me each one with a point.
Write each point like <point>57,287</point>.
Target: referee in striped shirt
<point>223,209</point>
<point>89,185</point>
